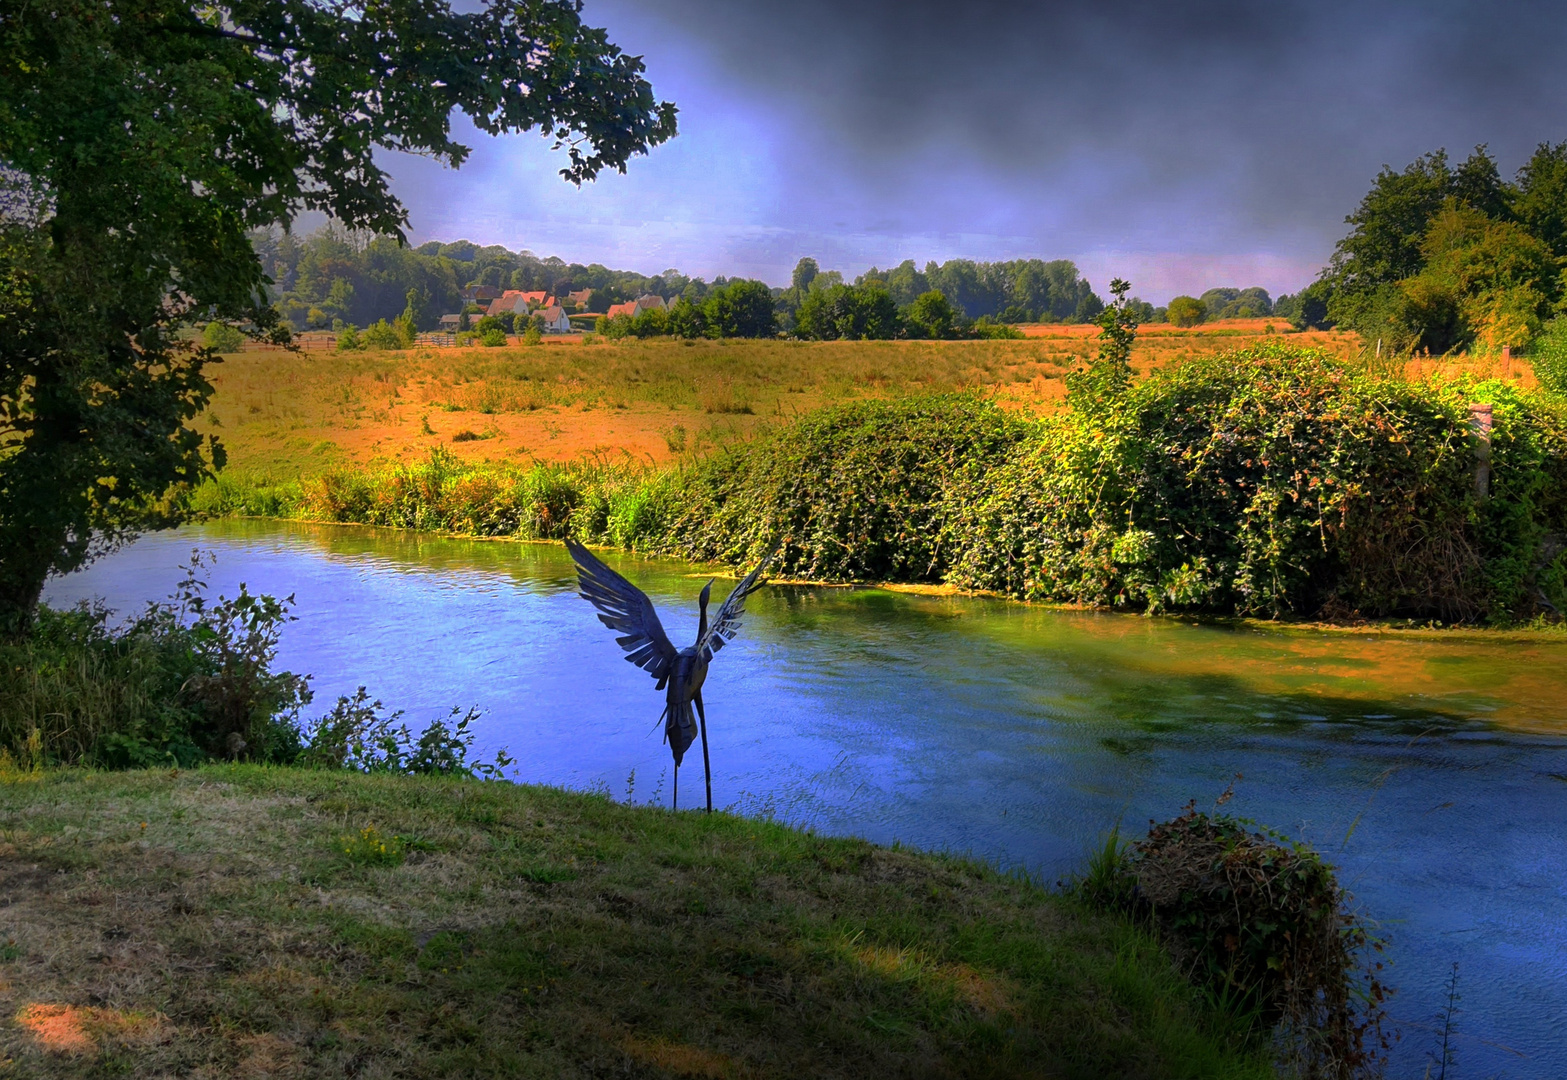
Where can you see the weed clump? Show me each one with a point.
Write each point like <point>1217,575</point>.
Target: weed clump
<point>1262,923</point>
<point>191,681</point>
<point>371,847</point>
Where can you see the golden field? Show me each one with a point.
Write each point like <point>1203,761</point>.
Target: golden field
<point>291,414</point>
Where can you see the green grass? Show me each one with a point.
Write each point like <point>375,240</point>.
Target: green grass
<point>211,923</point>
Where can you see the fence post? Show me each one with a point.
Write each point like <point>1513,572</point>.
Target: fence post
<point>1480,427</point>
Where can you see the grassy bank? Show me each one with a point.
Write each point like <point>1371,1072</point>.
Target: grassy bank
<point>241,920</point>
<point>1273,481</point>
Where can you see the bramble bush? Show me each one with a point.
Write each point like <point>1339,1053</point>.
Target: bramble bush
<point>855,492</point>
<point>1275,481</point>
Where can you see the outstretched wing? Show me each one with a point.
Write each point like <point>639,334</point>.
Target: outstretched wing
<point>726,623</point>
<point>624,607</point>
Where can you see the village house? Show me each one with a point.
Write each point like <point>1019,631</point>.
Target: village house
<point>513,301</point>
<point>556,320</point>
<point>480,294</point>
<point>580,297</point>
<point>632,308</point>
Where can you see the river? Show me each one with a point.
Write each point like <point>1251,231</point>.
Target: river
<point>1431,770</point>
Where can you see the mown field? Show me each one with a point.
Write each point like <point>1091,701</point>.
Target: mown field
<point>285,415</point>
<point>257,921</point>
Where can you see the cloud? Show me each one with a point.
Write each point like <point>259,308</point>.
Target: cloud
<point>1179,140</point>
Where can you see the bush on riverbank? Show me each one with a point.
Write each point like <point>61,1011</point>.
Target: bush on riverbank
<point>1263,923</point>
<point>185,682</point>
<point>191,680</point>
<point>1274,481</point>
<point>1269,481</point>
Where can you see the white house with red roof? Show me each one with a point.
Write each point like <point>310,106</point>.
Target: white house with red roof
<point>555,319</point>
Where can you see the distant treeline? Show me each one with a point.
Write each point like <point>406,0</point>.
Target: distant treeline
<point>334,278</point>
<point>333,275</point>
<point>1445,257</point>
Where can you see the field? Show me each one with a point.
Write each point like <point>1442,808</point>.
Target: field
<point>285,415</point>
<point>248,921</point>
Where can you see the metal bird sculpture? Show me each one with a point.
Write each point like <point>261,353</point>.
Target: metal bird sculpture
<point>680,672</point>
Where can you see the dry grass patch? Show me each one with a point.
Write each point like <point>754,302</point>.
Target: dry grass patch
<point>531,932</point>
<point>290,415</point>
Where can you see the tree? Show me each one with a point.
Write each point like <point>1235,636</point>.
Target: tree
<point>1186,311</point>
<point>142,141</point>
<point>686,320</point>
<point>221,337</point>
<point>740,309</point>
<point>1484,280</point>
<point>931,316</point>
<point>1088,309</point>
<point>1541,202</point>
<point>1110,373</point>
<point>805,272</point>
<point>852,312</point>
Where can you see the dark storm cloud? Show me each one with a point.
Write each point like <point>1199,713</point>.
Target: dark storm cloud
<point>1277,113</point>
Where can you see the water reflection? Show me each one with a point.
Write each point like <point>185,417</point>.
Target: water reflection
<point>1433,771</point>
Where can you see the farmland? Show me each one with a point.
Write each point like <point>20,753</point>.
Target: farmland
<point>285,415</point>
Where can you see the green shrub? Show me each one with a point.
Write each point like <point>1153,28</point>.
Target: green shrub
<point>348,339</point>
<point>221,337</point>
<point>354,735</point>
<point>855,492</point>
<point>987,328</point>
<point>1263,924</point>
<point>492,338</point>
<point>383,335</point>
<point>189,680</point>
<point>1548,355</point>
<point>1272,481</point>
<point>1275,481</point>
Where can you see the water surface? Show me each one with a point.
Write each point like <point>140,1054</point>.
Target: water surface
<point>1433,772</point>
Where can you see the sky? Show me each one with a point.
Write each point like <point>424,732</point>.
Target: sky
<point>1182,146</point>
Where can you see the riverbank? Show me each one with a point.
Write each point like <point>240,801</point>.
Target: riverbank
<point>247,920</point>
<point>1273,482</point>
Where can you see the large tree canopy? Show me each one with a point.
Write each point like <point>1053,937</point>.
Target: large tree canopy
<point>142,140</point>
<point>1443,256</point>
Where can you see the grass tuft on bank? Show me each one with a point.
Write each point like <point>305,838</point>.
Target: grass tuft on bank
<point>248,920</point>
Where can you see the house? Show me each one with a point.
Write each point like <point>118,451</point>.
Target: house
<point>480,294</point>
<point>632,308</point>
<point>580,297</point>
<point>450,323</point>
<point>515,300</point>
<point>555,320</point>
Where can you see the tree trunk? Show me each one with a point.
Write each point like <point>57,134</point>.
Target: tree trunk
<point>22,577</point>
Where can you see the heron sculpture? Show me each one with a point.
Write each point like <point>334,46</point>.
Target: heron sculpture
<point>680,672</point>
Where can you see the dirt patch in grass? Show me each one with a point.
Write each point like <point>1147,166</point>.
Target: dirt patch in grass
<point>534,932</point>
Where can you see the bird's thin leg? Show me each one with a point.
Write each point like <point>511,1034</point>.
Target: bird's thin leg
<point>707,770</point>
<point>674,802</point>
